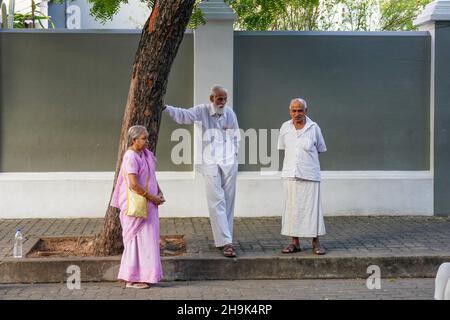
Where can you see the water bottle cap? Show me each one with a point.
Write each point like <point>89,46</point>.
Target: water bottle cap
<point>18,229</point>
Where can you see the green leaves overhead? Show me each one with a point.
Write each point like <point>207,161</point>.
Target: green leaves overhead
<point>275,14</point>
<point>104,10</point>
<point>340,15</point>
<point>399,14</point>
<point>327,15</point>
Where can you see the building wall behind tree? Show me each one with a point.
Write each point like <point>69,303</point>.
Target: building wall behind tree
<point>369,92</point>
<point>62,96</point>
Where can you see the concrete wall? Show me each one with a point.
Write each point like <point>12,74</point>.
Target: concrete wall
<point>369,92</point>
<point>63,98</point>
<point>61,107</point>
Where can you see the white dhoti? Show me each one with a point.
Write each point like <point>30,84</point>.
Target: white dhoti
<point>220,195</point>
<point>303,216</point>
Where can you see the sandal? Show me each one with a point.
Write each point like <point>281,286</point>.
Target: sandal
<point>137,285</point>
<point>319,250</point>
<point>228,251</point>
<point>291,249</point>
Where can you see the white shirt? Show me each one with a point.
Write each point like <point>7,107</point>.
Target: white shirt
<point>220,135</point>
<point>302,147</point>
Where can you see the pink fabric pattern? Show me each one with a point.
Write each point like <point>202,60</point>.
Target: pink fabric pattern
<point>141,261</point>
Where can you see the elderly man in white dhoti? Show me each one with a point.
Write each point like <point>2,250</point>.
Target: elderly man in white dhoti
<point>219,163</point>
<point>302,141</point>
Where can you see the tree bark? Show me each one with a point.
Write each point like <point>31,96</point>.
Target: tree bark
<point>159,43</point>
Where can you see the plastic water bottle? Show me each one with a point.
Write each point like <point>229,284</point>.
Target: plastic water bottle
<point>18,240</point>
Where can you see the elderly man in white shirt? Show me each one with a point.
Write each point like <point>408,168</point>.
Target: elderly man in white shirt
<point>302,140</point>
<point>219,163</point>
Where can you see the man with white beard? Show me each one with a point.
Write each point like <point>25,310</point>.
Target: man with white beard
<point>219,163</point>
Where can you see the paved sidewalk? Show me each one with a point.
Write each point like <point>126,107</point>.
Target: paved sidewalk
<point>346,236</point>
<point>354,289</point>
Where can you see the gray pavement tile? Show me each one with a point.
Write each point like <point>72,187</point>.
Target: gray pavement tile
<point>368,235</point>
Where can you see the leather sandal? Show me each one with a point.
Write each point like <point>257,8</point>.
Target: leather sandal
<point>291,249</point>
<point>228,251</point>
<point>319,250</point>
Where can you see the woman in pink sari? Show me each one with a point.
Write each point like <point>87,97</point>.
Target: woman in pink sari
<point>141,261</point>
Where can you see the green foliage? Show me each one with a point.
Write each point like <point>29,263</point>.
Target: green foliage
<point>23,20</point>
<point>104,10</point>
<point>358,15</point>
<point>340,15</point>
<point>29,19</point>
<point>197,18</point>
<point>355,15</point>
<point>399,14</point>
<point>276,14</point>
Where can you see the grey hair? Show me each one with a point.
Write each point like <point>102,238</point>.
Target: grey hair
<point>216,88</point>
<point>302,101</point>
<point>135,132</point>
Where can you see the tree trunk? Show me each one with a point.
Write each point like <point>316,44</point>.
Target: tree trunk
<point>160,39</point>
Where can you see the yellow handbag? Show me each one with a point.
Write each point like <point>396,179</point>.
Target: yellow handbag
<point>136,204</point>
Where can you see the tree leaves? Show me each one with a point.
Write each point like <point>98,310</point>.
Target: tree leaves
<point>104,10</point>
<point>345,15</point>
<point>399,14</point>
<point>275,14</point>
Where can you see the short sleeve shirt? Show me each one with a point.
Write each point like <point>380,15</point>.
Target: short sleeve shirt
<point>302,148</point>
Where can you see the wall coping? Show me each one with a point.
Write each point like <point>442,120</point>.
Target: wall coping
<point>236,32</point>
<point>434,11</point>
<point>190,175</point>
<point>217,10</point>
<point>333,33</point>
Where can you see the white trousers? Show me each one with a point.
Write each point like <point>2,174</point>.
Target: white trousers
<point>442,282</point>
<point>220,195</point>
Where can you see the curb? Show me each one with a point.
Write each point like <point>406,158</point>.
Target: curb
<point>95,269</point>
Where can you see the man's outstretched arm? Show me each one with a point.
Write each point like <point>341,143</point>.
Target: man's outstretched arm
<point>183,116</point>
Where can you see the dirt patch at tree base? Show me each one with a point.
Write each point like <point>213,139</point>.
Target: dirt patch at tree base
<point>170,245</point>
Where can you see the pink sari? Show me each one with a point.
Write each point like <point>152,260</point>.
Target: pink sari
<point>141,261</point>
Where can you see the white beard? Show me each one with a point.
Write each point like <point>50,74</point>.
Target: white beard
<point>218,110</point>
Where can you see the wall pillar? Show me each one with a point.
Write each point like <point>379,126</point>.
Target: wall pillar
<point>213,58</point>
<point>213,50</point>
<point>436,20</point>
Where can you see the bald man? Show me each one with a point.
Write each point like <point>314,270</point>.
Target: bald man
<point>302,141</point>
<point>219,163</point>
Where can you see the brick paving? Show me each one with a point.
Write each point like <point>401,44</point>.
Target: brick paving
<point>346,236</point>
<point>354,289</point>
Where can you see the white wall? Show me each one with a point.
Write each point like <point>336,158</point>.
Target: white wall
<point>76,195</point>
